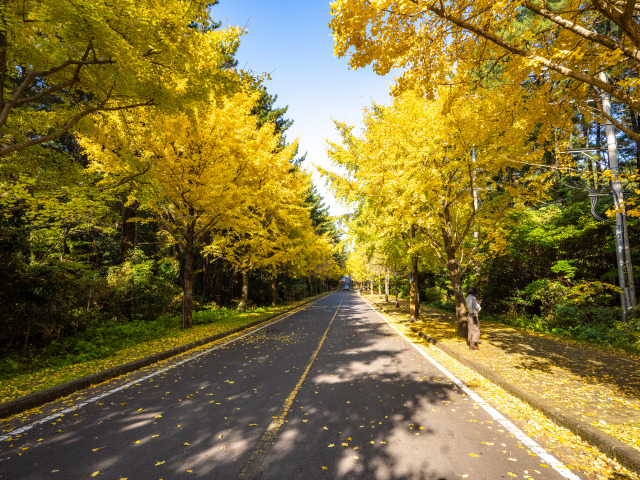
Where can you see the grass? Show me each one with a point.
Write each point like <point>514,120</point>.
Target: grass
<point>98,348</point>
<point>568,373</point>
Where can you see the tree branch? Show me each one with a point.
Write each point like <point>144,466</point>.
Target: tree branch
<point>31,77</point>
<point>15,208</point>
<point>619,16</point>
<point>622,127</point>
<point>52,136</point>
<point>128,178</point>
<point>632,53</point>
<point>568,72</point>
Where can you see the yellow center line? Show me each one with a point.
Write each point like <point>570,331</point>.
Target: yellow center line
<point>251,469</point>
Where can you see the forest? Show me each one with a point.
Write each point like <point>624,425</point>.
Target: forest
<point>146,181</point>
<point>506,160</point>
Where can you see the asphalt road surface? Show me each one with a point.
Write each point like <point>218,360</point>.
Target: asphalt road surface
<point>330,392</point>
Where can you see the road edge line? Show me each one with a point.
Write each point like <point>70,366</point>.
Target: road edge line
<point>627,456</point>
<point>553,462</point>
<point>38,399</point>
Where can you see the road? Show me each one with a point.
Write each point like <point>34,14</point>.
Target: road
<point>330,392</point>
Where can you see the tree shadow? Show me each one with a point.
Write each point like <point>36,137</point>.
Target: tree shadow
<point>205,418</point>
<point>592,365</point>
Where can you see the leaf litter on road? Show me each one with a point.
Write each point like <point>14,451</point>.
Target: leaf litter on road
<point>571,449</point>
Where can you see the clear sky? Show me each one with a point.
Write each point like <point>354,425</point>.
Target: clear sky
<point>291,41</point>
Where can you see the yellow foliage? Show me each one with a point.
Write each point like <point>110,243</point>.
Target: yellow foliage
<point>102,55</point>
<point>434,41</point>
<point>448,169</point>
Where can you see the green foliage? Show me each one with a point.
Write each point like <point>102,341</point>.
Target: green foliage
<point>432,295</point>
<point>565,267</point>
<point>600,326</point>
<point>43,301</point>
<point>100,340</point>
<point>143,287</point>
<point>212,313</point>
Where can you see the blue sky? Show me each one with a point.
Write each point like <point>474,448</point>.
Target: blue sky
<point>291,41</point>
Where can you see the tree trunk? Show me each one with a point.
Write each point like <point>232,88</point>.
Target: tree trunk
<point>244,299</point>
<point>414,301</point>
<point>217,286</point>
<point>598,167</point>
<point>187,282</point>
<point>128,230</point>
<point>628,263</point>
<point>274,290</point>
<point>635,126</point>
<point>386,286</point>
<point>379,285</point>
<point>456,284</point>
<point>395,284</point>
<point>3,62</point>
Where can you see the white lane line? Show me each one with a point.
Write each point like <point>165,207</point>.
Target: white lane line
<point>553,462</point>
<point>26,428</point>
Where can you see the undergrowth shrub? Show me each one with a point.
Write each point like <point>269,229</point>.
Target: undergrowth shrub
<point>143,287</point>
<point>46,301</point>
<point>99,340</point>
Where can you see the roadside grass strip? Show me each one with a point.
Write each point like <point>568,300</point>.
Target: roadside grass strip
<point>554,463</point>
<point>73,408</point>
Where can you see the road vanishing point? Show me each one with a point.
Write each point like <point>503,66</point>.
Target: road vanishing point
<point>331,391</point>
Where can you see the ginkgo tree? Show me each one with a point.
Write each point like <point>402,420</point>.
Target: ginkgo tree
<point>62,60</point>
<point>205,170</point>
<point>572,41</point>
<point>446,172</point>
<point>279,231</point>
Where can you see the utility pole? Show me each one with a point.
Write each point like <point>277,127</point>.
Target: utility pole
<point>622,251</point>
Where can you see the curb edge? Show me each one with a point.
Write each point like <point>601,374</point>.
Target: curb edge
<point>50,394</point>
<point>626,455</point>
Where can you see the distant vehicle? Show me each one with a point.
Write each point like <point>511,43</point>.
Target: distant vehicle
<point>346,287</point>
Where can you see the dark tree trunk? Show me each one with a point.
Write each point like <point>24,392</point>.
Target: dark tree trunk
<point>187,282</point>
<point>635,126</point>
<point>453,268</point>
<point>414,300</point>
<point>586,130</point>
<point>217,286</point>
<point>395,284</point>
<point>274,290</point>
<point>386,286</point>
<point>598,167</point>
<point>461,311</point>
<point>128,230</point>
<point>244,299</point>
<point>3,61</point>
